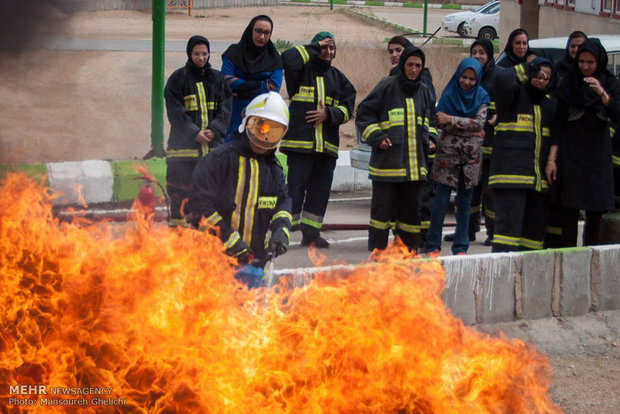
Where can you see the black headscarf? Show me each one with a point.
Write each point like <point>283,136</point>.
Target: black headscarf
<point>249,58</point>
<point>574,90</point>
<point>534,67</point>
<point>510,54</point>
<point>488,47</point>
<point>564,65</point>
<point>193,41</point>
<point>410,86</point>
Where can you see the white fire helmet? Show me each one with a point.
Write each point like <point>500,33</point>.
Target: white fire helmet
<point>266,120</point>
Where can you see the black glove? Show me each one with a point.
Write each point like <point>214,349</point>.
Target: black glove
<point>278,244</point>
<point>241,252</point>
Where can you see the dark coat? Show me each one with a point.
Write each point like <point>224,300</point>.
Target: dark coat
<point>196,99</point>
<point>308,86</point>
<point>522,134</point>
<point>241,193</point>
<point>388,112</point>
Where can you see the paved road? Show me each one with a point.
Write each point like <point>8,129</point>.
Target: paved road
<point>351,246</point>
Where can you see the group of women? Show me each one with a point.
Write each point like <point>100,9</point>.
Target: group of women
<point>531,140</point>
<point>206,107</point>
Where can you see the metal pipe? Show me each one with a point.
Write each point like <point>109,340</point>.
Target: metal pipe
<point>425,16</point>
<point>157,87</point>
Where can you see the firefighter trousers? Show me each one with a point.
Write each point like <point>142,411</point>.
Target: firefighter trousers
<point>178,186</point>
<point>520,219</point>
<point>401,199</point>
<point>310,178</point>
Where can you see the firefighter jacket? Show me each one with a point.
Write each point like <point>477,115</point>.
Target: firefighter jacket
<point>242,194</point>
<point>196,99</point>
<point>309,87</point>
<point>522,133</point>
<point>407,121</point>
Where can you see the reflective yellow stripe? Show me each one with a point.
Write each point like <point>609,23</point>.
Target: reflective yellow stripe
<point>424,225</point>
<point>401,172</point>
<point>520,71</point>
<point>296,144</point>
<point>381,225</point>
<point>389,124</point>
<point>302,98</point>
<point>232,239</point>
<point>344,111</point>
<point>510,241</point>
<point>537,145</point>
<point>331,147</point>
<point>369,130</point>
<point>282,214</point>
<point>320,96</point>
<point>531,244</point>
<point>487,150</point>
<point>409,228</point>
<point>183,153</point>
<point>304,53</point>
<point>515,126</point>
<point>236,214</point>
<point>511,179</point>
<point>492,106</point>
<point>214,218</point>
<point>412,139</point>
<point>489,214</point>
<point>311,223</point>
<point>546,132</point>
<point>615,159</point>
<point>202,98</point>
<point>252,200</point>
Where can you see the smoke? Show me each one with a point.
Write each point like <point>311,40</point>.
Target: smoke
<point>24,22</point>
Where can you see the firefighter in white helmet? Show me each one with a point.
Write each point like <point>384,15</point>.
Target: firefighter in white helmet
<point>239,190</point>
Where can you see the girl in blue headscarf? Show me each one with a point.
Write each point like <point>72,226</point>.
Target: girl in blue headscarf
<point>461,115</point>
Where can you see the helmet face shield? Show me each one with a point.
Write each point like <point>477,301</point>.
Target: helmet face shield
<point>265,133</point>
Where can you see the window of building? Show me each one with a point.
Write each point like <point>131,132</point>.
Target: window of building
<point>606,7</point>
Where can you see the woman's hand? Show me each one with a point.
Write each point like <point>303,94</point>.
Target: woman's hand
<point>317,116</point>
<point>598,89</point>
<point>385,144</point>
<point>442,119</point>
<point>551,171</point>
<point>493,120</point>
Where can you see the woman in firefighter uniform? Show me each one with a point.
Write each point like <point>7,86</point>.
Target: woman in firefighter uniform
<point>239,190</point>
<point>588,106</point>
<point>321,99</point>
<point>396,121</point>
<point>520,151</point>
<point>198,103</point>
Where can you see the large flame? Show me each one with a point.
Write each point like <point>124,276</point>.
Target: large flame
<point>156,315</point>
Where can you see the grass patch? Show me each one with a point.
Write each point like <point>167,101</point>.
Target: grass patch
<point>413,5</point>
<point>374,3</point>
<point>282,45</point>
<point>451,6</point>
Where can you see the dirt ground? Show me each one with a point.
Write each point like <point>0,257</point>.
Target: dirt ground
<point>78,105</point>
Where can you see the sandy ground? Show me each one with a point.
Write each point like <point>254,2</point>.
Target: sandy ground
<point>77,105</point>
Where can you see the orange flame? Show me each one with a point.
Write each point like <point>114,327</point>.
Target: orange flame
<point>156,315</point>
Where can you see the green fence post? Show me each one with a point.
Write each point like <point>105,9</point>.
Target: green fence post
<point>157,88</point>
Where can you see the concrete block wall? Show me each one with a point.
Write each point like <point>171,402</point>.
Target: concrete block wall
<point>533,285</point>
<point>98,5</point>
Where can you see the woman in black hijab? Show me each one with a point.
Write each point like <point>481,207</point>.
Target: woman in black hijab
<point>588,104</point>
<point>516,49</point>
<point>251,67</point>
<point>575,39</point>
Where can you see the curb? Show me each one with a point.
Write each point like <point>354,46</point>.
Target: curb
<point>380,3</point>
<point>493,288</point>
<point>99,181</point>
